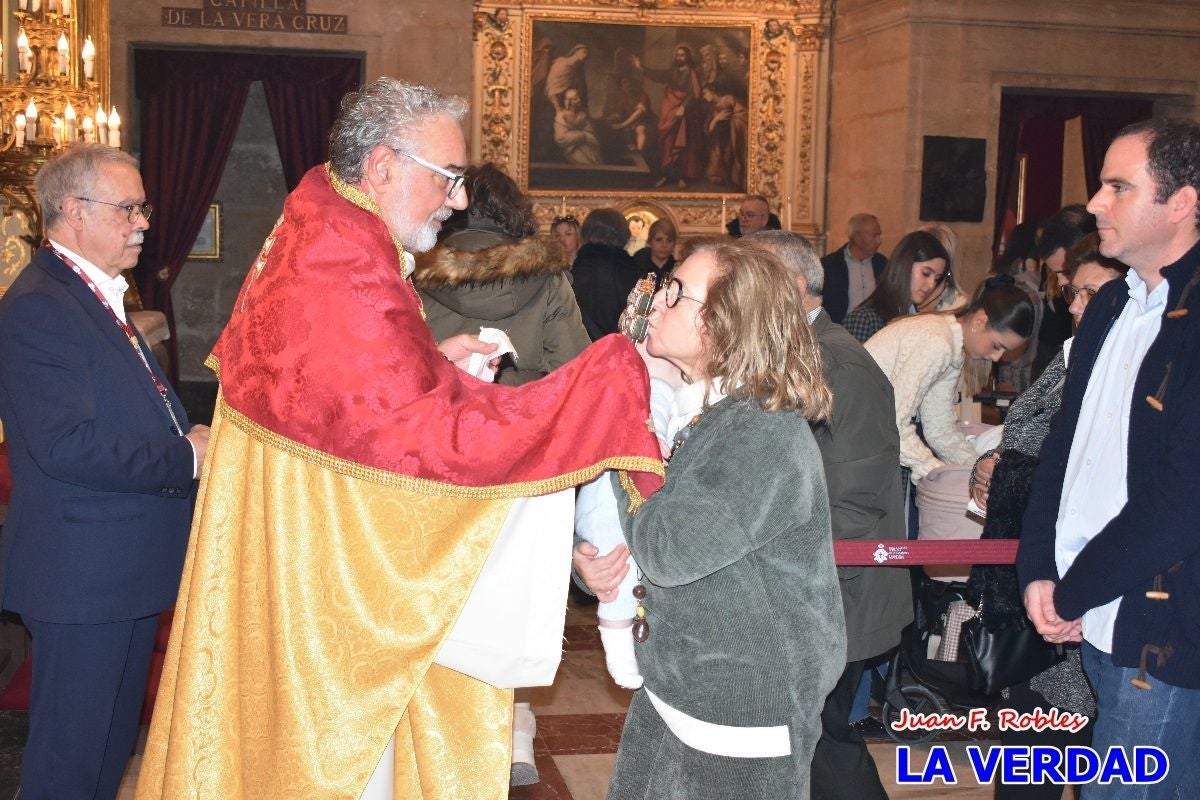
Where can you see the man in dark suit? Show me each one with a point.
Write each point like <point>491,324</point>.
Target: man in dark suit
<point>860,448</point>
<point>852,270</point>
<point>103,463</point>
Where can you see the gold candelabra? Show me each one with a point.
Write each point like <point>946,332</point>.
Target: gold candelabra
<point>50,97</point>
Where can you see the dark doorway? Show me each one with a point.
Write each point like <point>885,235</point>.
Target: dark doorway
<point>1046,135</point>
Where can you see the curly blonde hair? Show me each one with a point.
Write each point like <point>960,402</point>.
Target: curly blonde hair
<point>757,336</point>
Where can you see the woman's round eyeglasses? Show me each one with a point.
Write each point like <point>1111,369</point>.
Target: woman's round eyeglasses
<point>673,293</point>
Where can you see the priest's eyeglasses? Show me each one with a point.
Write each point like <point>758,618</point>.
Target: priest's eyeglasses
<point>456,180</point>
<point>673,293</point>
<point>134,210</point>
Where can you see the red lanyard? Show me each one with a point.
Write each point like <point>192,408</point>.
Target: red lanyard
<point>125,327</point>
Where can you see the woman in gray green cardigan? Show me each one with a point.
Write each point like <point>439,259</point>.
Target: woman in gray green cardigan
<point>739,592</point>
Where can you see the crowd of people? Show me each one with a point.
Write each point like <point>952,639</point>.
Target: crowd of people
<point>371,444</point>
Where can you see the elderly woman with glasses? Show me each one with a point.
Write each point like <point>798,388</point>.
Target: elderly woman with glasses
<point>739,629</point>
<point>914,275</point>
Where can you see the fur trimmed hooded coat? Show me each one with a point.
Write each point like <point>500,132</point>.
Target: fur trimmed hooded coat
<point>480,278</point>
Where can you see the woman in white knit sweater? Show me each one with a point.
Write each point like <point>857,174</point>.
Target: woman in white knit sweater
<point>922,355</point>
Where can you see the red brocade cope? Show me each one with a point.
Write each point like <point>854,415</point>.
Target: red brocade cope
<point>354,486</point>
<point>327,347</point>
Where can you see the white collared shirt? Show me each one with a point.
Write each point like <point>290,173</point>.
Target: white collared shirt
<point>1094,485</point>
<point>113,289</point>
<point>861,276</point>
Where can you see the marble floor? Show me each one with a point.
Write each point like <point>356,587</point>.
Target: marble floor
<point>579,722</point>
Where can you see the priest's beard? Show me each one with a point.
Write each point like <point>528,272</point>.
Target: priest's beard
<point>424,237</point>
<point>417,235</point>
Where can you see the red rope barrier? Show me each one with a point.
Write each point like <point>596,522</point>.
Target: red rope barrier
<point>900,553</point>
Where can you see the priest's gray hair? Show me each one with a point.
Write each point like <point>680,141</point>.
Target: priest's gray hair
<point>73,173</point>
<point>385,111</point>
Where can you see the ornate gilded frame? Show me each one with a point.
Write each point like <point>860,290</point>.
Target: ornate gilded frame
<point>788,93</point>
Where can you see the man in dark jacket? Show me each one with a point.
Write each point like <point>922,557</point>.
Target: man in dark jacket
<point>754,214</point>
<point>860,448</point>
<point>852,269</point>
<point>1110,553</point>
<point>103,465</point>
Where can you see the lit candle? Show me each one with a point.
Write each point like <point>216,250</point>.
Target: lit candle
<point>722,211</point>
<point>787,213</point>
<point>31,117</point>
<point>564,207</point>
<point>58,131</point>
<point>89,58</point>
<point>66,8</point>
<point>101,126</point>
<point>52,6</point>
<point>64,54</point>
<point>89,130</point>
<point>20,125</point>
<point>23,51</point>
<point>36,6</point>
<point>114,128</point>
<point>69,114</point>
<point>23,5</point>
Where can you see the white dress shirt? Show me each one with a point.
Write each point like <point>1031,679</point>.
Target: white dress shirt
<point>861,276</point>
<point>113,289</point>
<point>1094,485</point>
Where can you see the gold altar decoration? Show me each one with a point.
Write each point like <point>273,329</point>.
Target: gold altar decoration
<point>785,63</point>
<point>53,83</point>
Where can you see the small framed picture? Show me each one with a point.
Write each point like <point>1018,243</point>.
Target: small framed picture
<point>208,243</point>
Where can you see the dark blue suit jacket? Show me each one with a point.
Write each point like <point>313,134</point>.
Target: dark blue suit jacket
<point>836,296</point>
<point>102,489</point>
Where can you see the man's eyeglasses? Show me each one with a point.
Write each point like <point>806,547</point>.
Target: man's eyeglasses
<point>1071,292</point>
<point>134,210</point>
<point>673,293</point>
<point>456,180</point>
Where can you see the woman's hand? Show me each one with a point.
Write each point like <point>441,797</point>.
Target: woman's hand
<point>982,483</point>
<point>601,574</point>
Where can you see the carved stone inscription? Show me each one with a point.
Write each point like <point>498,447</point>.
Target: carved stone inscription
<point>281,16</point>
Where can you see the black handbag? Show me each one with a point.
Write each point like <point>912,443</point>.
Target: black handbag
<point>999,657</point>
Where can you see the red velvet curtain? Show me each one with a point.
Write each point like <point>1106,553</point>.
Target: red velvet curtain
<point>191,106</point>
<point>1032,123</point>
<point>303,94</point>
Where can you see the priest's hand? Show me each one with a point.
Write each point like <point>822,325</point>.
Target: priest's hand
<point>459,349</point>
<point>602,574</point>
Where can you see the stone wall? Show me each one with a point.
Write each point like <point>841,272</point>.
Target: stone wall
<point>905,69</point>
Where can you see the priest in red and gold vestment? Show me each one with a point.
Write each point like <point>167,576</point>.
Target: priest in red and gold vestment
<point>355,483</point>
